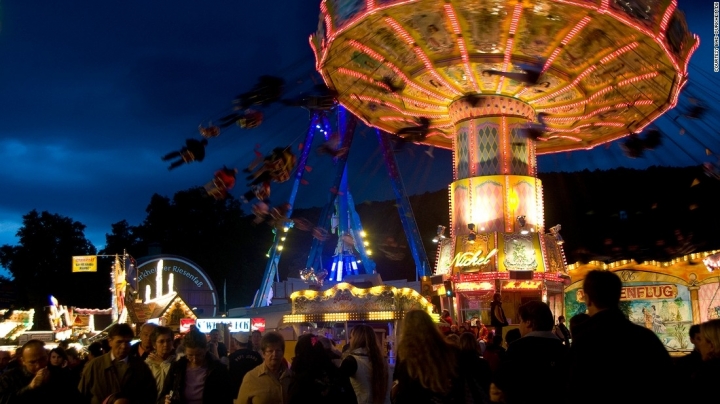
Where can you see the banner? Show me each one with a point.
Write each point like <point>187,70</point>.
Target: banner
<point>85,263</point>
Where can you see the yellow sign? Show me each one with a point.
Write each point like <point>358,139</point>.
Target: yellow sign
<point>85,263</point>
<point>470,259</point>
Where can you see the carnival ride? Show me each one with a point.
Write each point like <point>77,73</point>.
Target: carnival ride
<point>482,72</point>
<point>497,83</point>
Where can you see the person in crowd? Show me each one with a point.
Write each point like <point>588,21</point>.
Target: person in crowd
<point>242,360</point>
<point>269,382</point>
<point>14,361</point>
<point>75,366</point>
<point>427,369</point>
<point>162,356</point>
<point>4,360</point>
<point>197,377</point>
<point>562,332</point>
<point>497,314</point>
<point>687,365</point>
<point>453,339</point>
<point>315,379</point>
<point>705,378</point>
<point>58,358</point>
<point>512,336</point>
<point>475,368</point>
<point>596,346</point>
<point>366,367</point>
<point>94,350</point>
<point>194,150</point>
<point>234,344</point>
<point>445,322</point>
<point>255,338</point>
<point>117,372</point>
<point>219,345</point>
<point>495,352</point>
<point>142,349</point>
<point>34,381</point>
<point>329,346</point>
<point>538,352</point>
<point>577,320</point>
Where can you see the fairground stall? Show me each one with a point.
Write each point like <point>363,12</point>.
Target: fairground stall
<point>335,311</point>
<point>665,297</point>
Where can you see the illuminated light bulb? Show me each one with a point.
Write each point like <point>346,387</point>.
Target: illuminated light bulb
<point>285,229</point>
<point>363,234</point>
<point>366,243</point>
<point>267,255</point>
<point>282,238</point>
<point>280,248</point>
<point>368,252</point>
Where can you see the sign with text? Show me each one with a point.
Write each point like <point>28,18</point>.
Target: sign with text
<point>161,275</point>
<point>641,292</point>
<point>84,263</point>
<point>234,324</point>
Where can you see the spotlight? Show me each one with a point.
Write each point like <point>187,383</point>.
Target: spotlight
<point>522,222</point>
<point>440,234</point>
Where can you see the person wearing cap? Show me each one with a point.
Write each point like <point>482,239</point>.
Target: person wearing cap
<point>243,360</point>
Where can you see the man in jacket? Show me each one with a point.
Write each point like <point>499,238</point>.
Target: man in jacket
<point>117,372</point>
<point>269,382</point>
<point>604,367</point>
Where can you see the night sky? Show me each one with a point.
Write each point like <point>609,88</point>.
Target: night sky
<point>92,93</point>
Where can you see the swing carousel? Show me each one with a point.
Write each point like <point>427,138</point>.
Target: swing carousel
<point>498,83</point>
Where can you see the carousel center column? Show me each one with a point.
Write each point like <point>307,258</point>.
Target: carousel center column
<point>495,189</point>
<point>491,157</point>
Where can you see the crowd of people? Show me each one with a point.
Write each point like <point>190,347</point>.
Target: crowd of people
<point>602,357</point>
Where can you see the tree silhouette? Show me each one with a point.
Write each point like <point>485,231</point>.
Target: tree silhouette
<point>41,264</point>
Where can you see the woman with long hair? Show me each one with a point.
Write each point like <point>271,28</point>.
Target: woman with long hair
<point>365,364</point>
<point>427,367</point>
<point>706,377</point>
<point>197,377</point>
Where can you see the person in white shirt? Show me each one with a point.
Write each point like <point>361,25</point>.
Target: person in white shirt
<point>163,355</point>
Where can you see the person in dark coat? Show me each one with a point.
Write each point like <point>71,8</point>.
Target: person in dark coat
<point>704,379</point>
<point>474,368</point>
<point>197,376</point>
<point>243,360</point>
<point>497,314</point>
<point>534,362</point>
<point>687,365</point>
<point>603,367</point>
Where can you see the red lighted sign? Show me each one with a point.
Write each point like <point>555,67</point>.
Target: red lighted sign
<point>185,324</point>
<point>257,324</point>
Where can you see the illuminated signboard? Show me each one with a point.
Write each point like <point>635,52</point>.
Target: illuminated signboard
<point>86,263</point>
<point>641,292</point>
<point>234,324</point>
<point>178,275</point>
